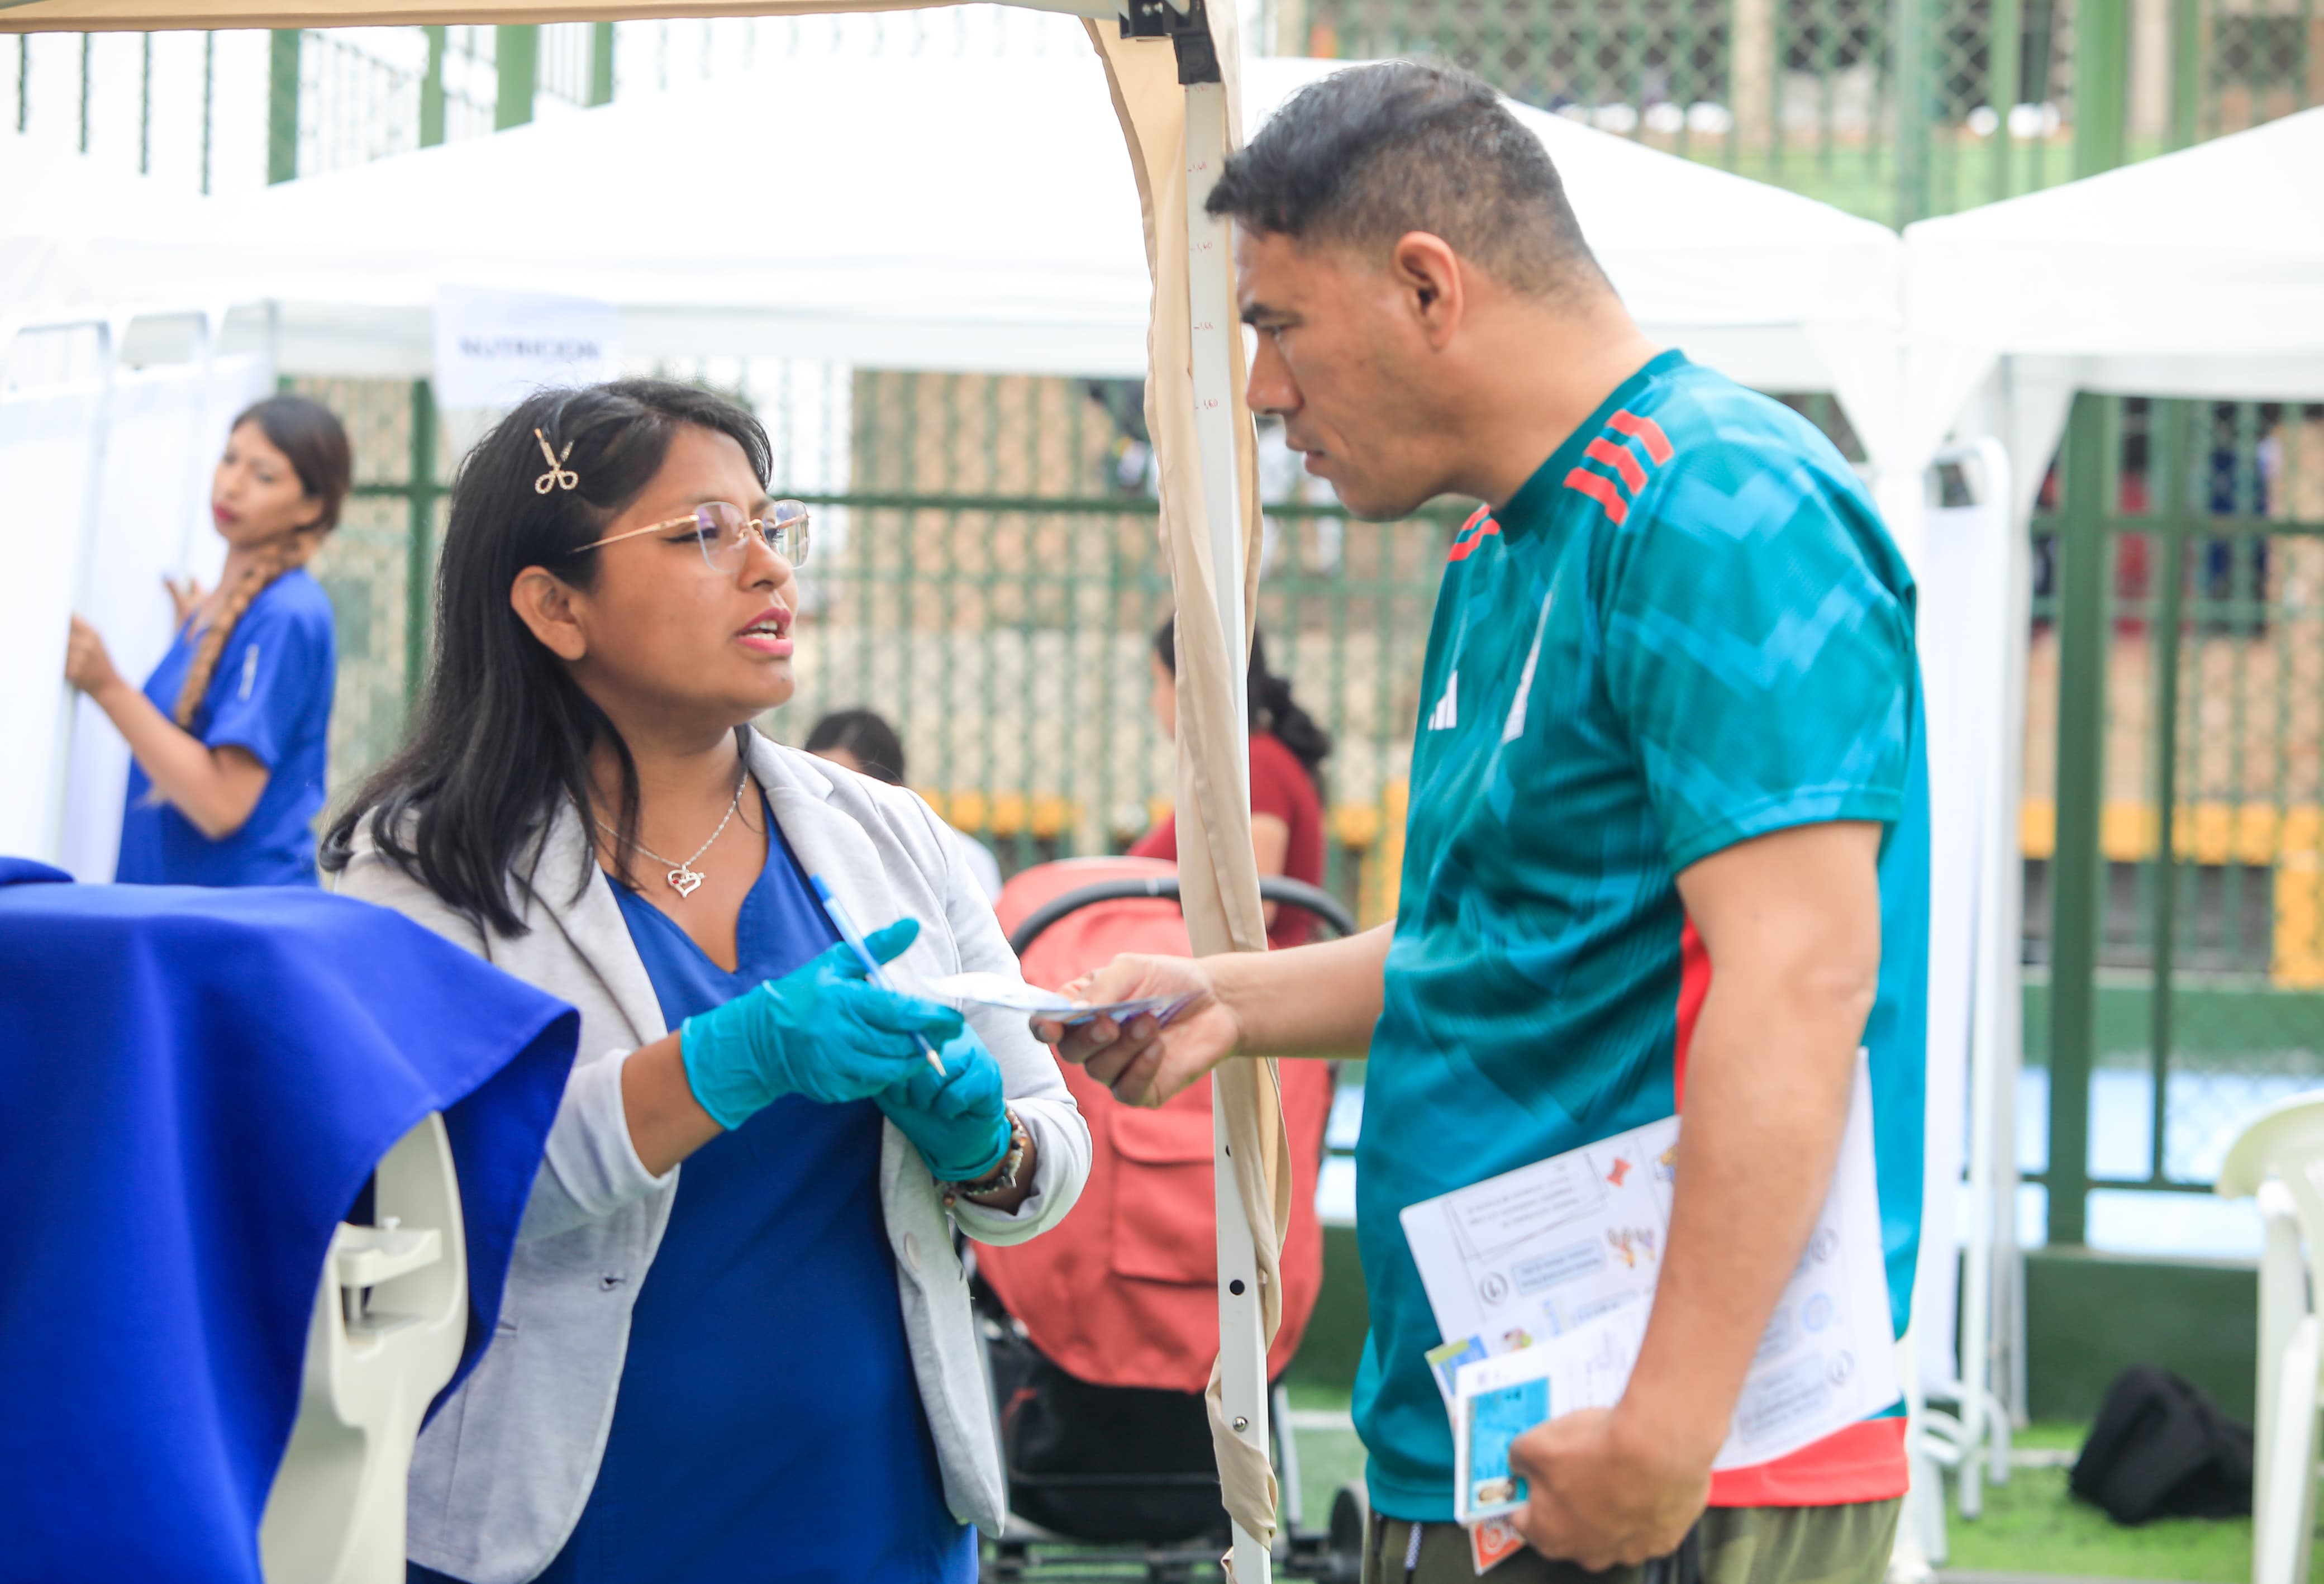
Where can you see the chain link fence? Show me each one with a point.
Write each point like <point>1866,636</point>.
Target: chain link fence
<point>2208,536</point>
<point>1891,108</point>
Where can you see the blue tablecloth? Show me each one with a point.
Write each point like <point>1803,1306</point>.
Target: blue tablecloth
<point>194,1087</point>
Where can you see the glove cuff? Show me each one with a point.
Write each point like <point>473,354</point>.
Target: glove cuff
<point>1005,1162</point>
<point>698,1039</point>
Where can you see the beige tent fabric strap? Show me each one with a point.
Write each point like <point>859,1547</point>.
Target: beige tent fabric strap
<point>1217,875</point>
<point>164,15</point>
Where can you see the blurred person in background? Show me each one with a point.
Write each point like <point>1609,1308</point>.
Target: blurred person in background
<point>862,740</point>
<point>230,732</point>
<point>736,1340</point>
<point>1288,749</point>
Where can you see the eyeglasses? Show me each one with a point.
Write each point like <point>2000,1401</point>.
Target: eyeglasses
<point>722,532</point>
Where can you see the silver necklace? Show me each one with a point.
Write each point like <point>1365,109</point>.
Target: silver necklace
<point>684,878</point>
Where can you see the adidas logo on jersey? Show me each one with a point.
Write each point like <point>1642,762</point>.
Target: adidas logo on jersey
<point>1447,713</point>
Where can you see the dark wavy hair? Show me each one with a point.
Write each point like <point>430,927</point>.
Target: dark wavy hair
<point>1273,710</point>
<point>864,735</point>
<point>503,732</point>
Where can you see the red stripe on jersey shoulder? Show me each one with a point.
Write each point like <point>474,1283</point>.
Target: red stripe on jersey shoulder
<point>1646,430</point>
<point>1465,543</point>
<point>1619,459</point>
<point>1600,489</point>
<point>1693,986</point>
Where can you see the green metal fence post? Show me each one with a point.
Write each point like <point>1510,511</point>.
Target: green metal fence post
<point>146,109</point>
<point>2186,71</point>
<point>2166,436</point>
<point>516,51</point>
<point>2005,81</point>
<point>2078,866</point>
<point>2076,875</point>
<point>209,103</point>
<point>419,564</point>
<point>2101,87</point>
<point>283,105</point>
<point>601,63</point>
<point>1915,101</point>
<point>432,92</point>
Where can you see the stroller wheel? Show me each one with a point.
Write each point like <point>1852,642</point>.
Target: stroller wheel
<point>1344,1540</point>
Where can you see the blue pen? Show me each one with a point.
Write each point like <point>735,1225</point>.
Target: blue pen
<point>872,969</point>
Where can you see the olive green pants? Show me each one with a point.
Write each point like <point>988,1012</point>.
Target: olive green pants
<point>1846,1545</point>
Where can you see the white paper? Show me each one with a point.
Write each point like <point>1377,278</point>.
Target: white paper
<point>1014,995</point>
<point>495,348</point>
<point>1518,1261</point>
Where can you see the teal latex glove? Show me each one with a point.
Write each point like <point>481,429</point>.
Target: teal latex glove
<point>959,1122</point>
<point>822,1031</point>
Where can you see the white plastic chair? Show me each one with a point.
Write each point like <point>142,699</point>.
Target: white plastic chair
<point>2279,1160</point>
<point>390,1319</point>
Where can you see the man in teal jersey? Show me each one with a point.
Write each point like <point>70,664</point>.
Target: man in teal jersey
<point>1668,830</point>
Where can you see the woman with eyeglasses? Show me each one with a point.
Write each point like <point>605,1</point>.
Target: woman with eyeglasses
<point>760,1364</point>
<point>228,736</point>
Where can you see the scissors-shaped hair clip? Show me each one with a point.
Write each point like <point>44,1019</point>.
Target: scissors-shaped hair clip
<point>559,476</point>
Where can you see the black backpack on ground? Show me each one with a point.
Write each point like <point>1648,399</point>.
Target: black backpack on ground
<point>2161,1448</point>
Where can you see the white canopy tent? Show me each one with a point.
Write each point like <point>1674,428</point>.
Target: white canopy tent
<point>2197,274</point>
<point>55,199</point>
<point>934,218</point>
<point>978,222</point>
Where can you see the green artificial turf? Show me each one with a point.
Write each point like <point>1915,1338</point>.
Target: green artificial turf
<point>2033,1525</point>
<point>1328,1459</point>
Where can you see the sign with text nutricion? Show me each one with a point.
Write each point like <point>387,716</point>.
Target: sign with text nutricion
<point>495,347</point>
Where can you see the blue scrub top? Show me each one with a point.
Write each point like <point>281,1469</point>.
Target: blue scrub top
<point>768,1424</point>
<point>271,693</point>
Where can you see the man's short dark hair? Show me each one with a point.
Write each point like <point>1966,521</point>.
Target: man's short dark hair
<point>1365,155</point>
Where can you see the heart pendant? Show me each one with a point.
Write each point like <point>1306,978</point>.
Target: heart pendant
<point>684,881</point>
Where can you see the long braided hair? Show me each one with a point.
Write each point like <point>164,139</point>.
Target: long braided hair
<point>311,437</point>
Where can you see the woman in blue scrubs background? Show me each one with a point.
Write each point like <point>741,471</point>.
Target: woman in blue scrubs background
<point>760,1363</point>
<point>229,733</point>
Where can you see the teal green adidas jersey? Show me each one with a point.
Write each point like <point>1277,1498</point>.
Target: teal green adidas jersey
<point>1687,630</point>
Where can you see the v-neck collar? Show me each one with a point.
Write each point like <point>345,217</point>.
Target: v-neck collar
<point>750,914</point>
<point>824,841</point>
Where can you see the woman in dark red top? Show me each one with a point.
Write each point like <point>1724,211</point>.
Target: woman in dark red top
<point>1286,806</point>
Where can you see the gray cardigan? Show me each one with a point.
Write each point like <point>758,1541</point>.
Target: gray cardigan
<point>501,1475</point>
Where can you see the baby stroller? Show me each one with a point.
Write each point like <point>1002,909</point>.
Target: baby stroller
<point>1102,1332</point>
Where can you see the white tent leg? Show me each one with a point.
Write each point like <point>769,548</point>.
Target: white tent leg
<point>1243,1340</point>
<point>1995,1004</point>
<point>111,333</point>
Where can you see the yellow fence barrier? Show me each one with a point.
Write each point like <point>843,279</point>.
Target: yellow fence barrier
<point>2289,839</point>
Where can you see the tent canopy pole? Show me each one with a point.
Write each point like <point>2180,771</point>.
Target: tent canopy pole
<point>1242,1332</point>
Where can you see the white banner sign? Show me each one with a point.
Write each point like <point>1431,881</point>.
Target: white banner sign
<point>495,348</point>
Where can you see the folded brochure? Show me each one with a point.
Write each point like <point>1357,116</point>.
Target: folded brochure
<point>1541,1280</point>
<point>1014,995</point>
